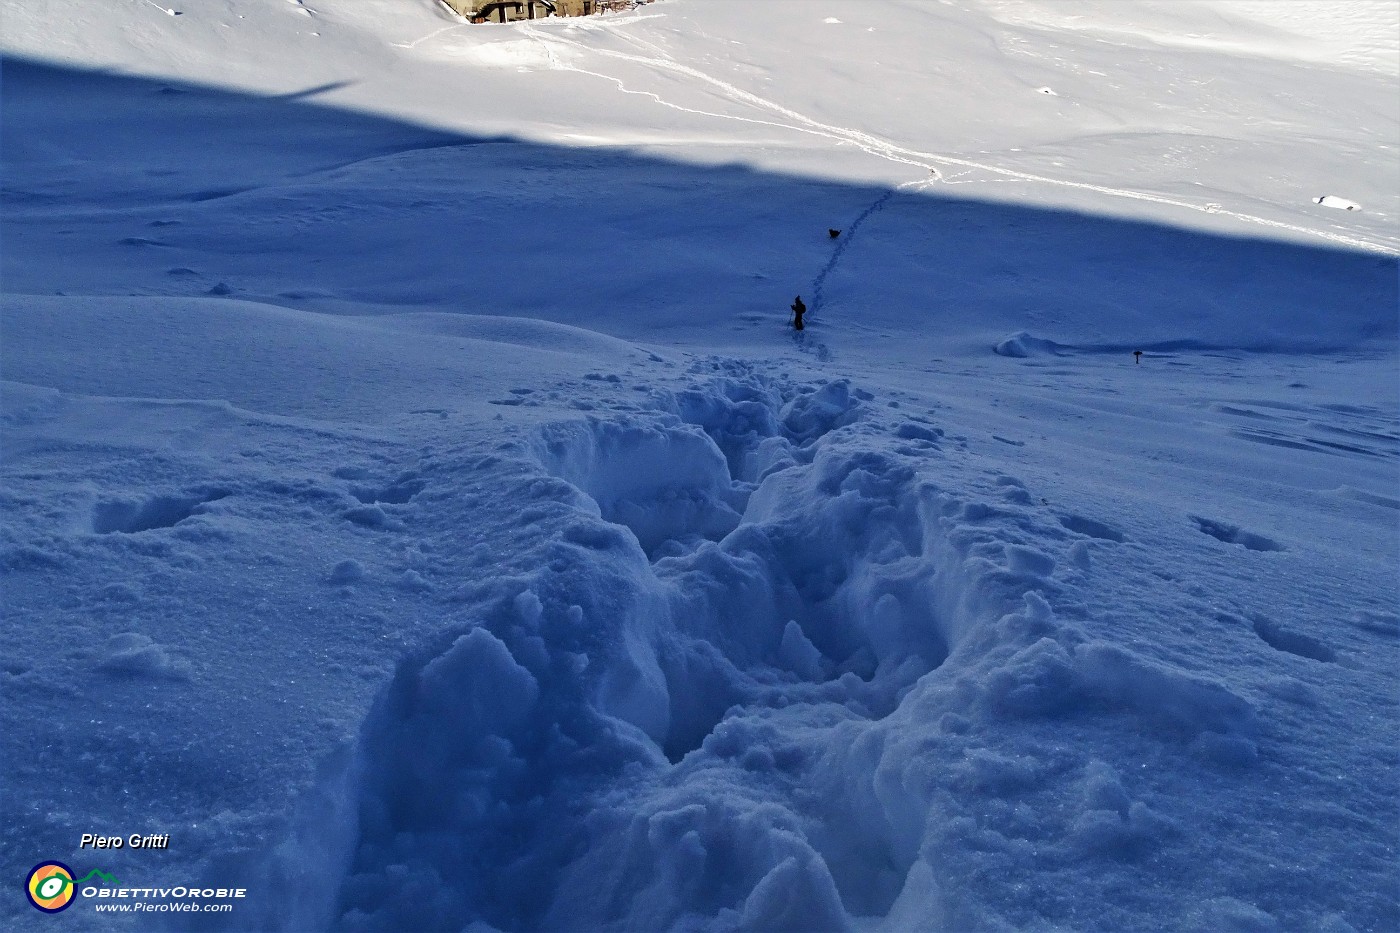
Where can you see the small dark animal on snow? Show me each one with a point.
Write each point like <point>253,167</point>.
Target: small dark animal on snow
<point>833,233</point>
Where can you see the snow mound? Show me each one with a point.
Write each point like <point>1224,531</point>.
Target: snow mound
<point>1023,346</point>
<point>662,482</point>
<point>1341,204</point>
<point>137,656</point>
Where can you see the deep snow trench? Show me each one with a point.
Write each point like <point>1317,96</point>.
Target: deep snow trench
<point>696,712</point>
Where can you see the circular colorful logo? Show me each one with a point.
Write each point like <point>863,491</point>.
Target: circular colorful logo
<point>50,886</point>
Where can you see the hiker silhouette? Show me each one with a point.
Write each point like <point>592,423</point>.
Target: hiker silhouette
<point>798,309</point>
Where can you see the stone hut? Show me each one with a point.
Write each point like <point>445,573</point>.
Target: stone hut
<point>506,11</point>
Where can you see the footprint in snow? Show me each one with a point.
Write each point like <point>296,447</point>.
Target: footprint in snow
<point>1234,534</point>
<point>125,516</point>
<point>1093,528</point>
<point>1291,642</point>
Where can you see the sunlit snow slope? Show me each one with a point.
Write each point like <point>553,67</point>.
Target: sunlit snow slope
<point>416,503</point>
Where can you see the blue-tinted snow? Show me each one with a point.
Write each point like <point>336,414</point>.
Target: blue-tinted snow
<point>420,511</point>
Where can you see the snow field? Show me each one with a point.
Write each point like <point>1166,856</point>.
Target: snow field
<point>413,503</point>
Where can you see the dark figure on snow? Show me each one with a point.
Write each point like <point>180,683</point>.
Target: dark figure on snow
<point>798,309</point>
<point>1137,356</point>
<point>833,233</point>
